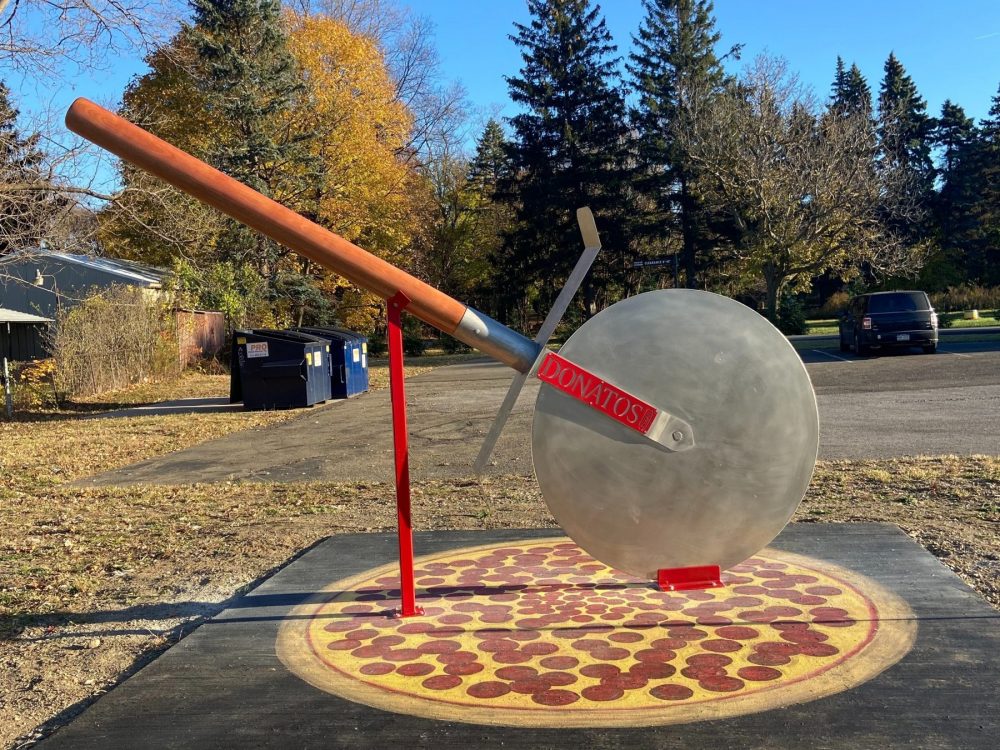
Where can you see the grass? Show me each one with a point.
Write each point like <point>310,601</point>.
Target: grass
<point>46,447</point>
<point>71,556</point>
<point>828,326</point>
<point>77,549</point>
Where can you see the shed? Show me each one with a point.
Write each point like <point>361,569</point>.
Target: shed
<point>39,281</point>
<point>22,335</point>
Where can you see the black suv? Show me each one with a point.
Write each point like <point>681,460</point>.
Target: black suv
<point>889,319</point>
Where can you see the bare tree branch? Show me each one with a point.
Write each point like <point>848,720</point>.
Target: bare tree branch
<point>38,38</point>
<point>802,183</point>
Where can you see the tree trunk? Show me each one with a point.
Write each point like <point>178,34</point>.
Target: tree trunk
<point>773,299</point>
<point>589,298</point>
<point>688,236</point>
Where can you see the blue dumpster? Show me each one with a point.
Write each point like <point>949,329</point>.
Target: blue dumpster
<point>356,356</point>
<point>344,375</point>
<point>279,369</point>
<point>359,356</point>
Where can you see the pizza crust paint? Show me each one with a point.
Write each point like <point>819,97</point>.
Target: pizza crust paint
<point>540,634</point>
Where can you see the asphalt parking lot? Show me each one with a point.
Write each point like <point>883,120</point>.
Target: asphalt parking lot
<point>898,404</point>
<point>905,403</point>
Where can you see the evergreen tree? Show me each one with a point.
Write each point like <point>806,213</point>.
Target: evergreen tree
<point>857,94</point>
<point>568,145</point>
<point>984,250</point>
<point>905,131</point>
<point>674,70</point>
<point>956,137</point>
<point>954,132</point>
<point>249,81</point>
<point>489,179</point>
<point>490,167</point>
<point>839,82</point>
<point>25,201</point>
<point>850,93</point>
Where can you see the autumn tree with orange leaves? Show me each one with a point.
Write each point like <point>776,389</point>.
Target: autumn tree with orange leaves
<point>361,184</point>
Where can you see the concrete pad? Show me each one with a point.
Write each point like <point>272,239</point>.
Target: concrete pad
<point>932,685</point>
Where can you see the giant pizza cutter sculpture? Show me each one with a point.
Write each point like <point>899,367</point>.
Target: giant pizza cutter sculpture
<point>674,433</point>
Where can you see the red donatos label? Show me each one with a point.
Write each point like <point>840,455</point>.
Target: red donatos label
<point>599,394</point>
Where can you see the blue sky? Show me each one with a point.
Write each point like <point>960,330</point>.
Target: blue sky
<point>953,53</point>
<point>950,53</point>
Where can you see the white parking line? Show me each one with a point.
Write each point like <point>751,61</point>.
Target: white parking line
<point>827,354</point>
<point>946,351</point>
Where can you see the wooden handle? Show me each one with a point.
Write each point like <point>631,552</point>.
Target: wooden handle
<point>209,185</point>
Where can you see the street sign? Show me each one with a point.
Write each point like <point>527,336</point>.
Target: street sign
<point>654,262</point>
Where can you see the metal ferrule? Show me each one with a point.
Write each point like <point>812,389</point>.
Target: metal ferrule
<point>481,332</point>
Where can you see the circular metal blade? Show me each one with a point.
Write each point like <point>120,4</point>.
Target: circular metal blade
<point>632,503</point>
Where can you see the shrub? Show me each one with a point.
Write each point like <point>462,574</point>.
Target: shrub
<point>376,344</point>
<point>966,297</point>
<point>834,306</point>
<point>791,316</point>
<point>112,339</point>
<point>451,345</point>
<point>238,291</point>
<point>32,384</point>
<point>413,344</point>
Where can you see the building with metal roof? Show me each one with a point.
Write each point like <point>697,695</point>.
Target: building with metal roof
<point>39,281</point>
<point>22,335</point>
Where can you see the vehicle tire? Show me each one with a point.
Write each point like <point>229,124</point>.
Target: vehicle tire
<point>860,350</point>
<point>844,346</point>
<point>930,348</point>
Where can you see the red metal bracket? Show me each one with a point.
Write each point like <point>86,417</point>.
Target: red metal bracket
<point>686,579</point>
<point>400,443</point>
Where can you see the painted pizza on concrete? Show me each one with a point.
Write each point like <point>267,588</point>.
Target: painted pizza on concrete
<point>538,633</point>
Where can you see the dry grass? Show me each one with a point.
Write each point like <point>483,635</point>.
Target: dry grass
<point>95,580</point>
<point>44,448</point>
<point>68,549</point>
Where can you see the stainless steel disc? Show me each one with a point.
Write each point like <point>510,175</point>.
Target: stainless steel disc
<point>715,363</point>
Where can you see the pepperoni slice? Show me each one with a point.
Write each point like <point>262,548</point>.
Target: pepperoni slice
<point>557,679</point>
<point>559,662</point>
<point>709,660</point>
<point>653,670</point>
<point>721,684</point>
<point>721,646</point>
<point>610,653</point>
<point>555,698</point>
<point>737,633</point>
<point>465,668</point>
<point>376,668</point>
<point>516,673</point>
<point>626,681</point>
<point>602,693</point>
<point>348,644</point>
<point>487,690</point>
<point>625,637</point>
<point>457,657</point>
<point>671,692</point>
<point>759,674</point>
<point>511,657</point>
<point>414,669</point>
<point>442,682</point>
<point>529,686</point>
<point>600,671</point>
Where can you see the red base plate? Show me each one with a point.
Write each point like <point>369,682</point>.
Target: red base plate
<point>686,579</point>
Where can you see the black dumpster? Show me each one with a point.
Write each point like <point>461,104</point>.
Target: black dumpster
<point>278,369</point>
<point>349,373</point>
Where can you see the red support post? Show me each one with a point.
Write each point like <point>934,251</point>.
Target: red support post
<point>395,306</point>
